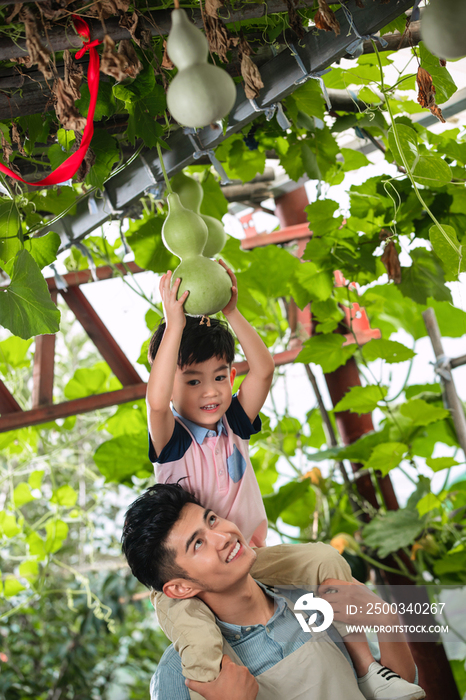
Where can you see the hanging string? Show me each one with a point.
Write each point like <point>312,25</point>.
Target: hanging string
<point>68,168</point>
<point>356,47</point>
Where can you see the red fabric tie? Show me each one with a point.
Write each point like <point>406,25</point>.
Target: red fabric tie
<point>68,168</point>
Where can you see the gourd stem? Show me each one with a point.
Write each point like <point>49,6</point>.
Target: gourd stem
<point>165,176</point>
<point>177,4</point>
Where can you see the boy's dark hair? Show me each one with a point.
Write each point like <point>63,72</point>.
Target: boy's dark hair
<point>148,523</point>
<point>199,342</point>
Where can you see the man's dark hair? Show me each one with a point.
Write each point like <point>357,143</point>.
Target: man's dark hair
<point>199,342</point>
<point>148,523</point>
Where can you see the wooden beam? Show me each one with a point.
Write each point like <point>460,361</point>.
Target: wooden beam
<point>8,403</point>
<point>43,371</point>
<point>285,235</point>
<point>106,272</point>
<point>44,414</point>
<point>100,336</point>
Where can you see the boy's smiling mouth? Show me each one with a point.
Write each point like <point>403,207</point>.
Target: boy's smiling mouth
<point>210,407</point>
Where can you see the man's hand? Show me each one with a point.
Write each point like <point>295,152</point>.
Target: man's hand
<point>342,594</point>
<point>233,683</point>
<point>172,307</point>
<point>231,306</point>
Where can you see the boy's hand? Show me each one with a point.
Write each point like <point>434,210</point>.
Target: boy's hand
<point>172,307</point>
<point>234,683</point>
<point>231,306</point>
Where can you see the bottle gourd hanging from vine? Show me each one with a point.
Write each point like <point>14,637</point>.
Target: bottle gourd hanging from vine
<point>200,93</point>
<point>191,194</point>
<point>185,234</point>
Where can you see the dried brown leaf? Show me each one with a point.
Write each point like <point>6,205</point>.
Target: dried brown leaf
<point>107,8</point>
<point>220,40</point>
<point>294,19</point>
<point>16,138</point>
<point>250,72</point>
<point>112,63</point>
<point>133,64</point>
<point>52,10</point>
<point>166,62</point>
<point>73,75</point>
<point>392,262</point>
<point>6,148</point>
<point>16,9</point>
<point>325,19</point>
<point>141,37</point>
<point>426,94</point>
<point>37,52</point>
<point>65,109</point>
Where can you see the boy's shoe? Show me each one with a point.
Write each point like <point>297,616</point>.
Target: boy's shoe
<point>381,683</point>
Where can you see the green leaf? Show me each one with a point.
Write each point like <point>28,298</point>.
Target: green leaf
<point>142,118</point>
<point>64,496</point>
<point>452,563</point>
<point>141,86</point>
<point>13,352</point>
<point>439,463</point>
<point>144,237</point>
<point>44,249</point>
<point>320,216</point>
<point>35,478</point>
<point>66,138</point>
<point>270,271</point>
<point>424,279</point>
<point>429,170</point>
<point>36,127</point>
<point>446,245</point>
<point>8,524</point>
<point>386,456</point>
<point>123,457</point>
<point>22,494</point>
<point>57,532</point>
<point>353,160</point>
<point>443,82</point>
<point>309,99</point>
<point>301,512</point>
<point>129,418</point>
<point>106,103</point>
<point>106,153</point>
<point>242,163</point>
<point>416,389</point>
<point>388,533</point>
<point>311,167</point>
<point>326,351</point>
<point>11,586</point>
<point>422,413</point>
<point>29,569</point>
<point>214,202</point>
<point>292,162</point>
<point>429,502</point>
<point>87,382</point>
<point>286,495</point>
<point>26,307</point>
<point>36,546</point>
<point>308,284</point>
<point>9,226</point>
<point>389,350</point>
<point>361,399</point>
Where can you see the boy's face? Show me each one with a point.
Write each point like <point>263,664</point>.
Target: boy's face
<point>202,391</point>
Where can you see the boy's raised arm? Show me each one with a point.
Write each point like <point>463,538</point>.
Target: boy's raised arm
<point>162,374</point>
<point>256,385</point>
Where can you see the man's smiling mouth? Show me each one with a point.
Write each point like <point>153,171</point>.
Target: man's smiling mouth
<point>234,552</point>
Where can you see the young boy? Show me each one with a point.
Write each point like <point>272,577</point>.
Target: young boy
<point>200,433</point>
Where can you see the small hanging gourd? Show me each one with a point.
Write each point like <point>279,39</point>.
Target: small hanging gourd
<point>200,93</point>
<point>191,193</point>
<point>443,28</point>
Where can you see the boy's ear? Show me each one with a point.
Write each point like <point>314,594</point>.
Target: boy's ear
<point>180,588</point>
<point>232,376</point>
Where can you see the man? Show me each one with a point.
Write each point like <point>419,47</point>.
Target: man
<point>175,545</point>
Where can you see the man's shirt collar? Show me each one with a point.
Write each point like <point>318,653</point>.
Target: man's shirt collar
<point>199,433</point>
<point>231,631</point>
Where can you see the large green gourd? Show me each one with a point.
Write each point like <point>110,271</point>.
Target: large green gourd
<point>443,30</point>
<point>200,93</point>
<point>184,233</point>
<point>191,193</point>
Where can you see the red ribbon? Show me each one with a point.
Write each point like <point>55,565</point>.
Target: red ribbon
<point>68,168</point>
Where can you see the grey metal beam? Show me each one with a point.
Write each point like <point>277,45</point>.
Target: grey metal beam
<point>317,50</point>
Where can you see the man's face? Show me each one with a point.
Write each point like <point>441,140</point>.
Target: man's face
<point>211,550</point>
<point>202,391</point>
